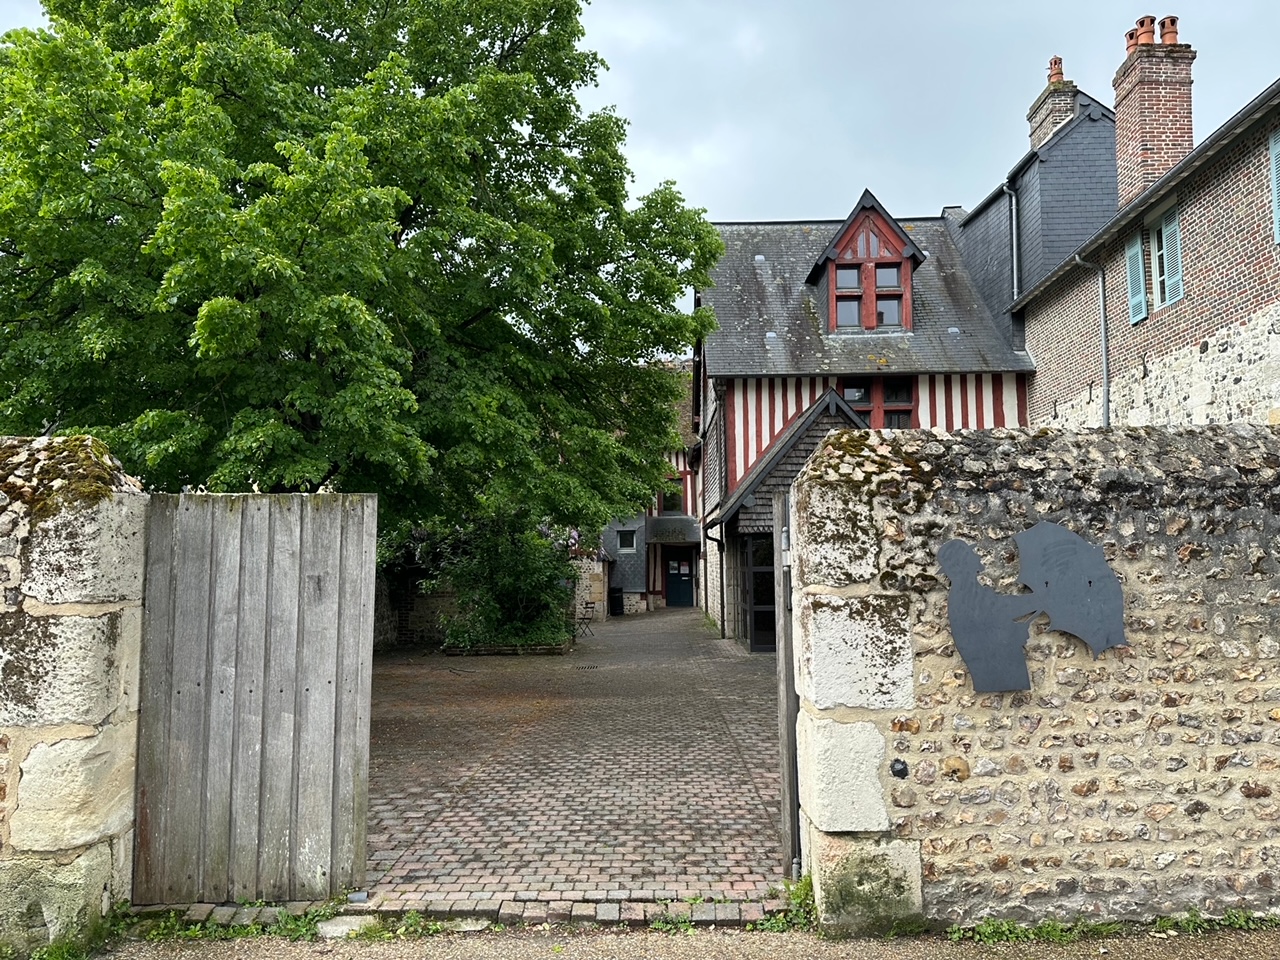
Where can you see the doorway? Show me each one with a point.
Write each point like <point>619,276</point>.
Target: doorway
<point>678,567</point>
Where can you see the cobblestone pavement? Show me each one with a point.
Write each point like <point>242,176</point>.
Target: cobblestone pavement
<point>642,766</point>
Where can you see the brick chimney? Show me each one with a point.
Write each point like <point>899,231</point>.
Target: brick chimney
<point>1153,106</point>
<point>1054,107</point>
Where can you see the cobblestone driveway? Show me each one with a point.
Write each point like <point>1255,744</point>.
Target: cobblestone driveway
<point>642,766</point>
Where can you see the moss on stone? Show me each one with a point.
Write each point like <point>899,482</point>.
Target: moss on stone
<point>56,473</point>
<point>864,896</point>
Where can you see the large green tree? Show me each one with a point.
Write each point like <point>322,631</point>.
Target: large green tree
<point>370,244</point>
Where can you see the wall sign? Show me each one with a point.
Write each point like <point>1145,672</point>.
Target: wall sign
<point>1069,580</point>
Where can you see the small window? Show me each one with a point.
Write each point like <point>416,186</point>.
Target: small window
<point>888,311</point>
<point>626,541</point>
<point>897,419</point>
<point>848,278</point>
<point>889,276</point>
<point>672,502</point>
<point>849,312</point>
<point>899,390</point>
<point>857,392</point>
<point>1166,260</point>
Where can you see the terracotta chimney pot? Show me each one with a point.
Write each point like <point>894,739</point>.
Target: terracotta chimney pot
<point>1055,70</point>
<point>1146,30</point>
<point>1130,42</point>
<point>1169,30</point>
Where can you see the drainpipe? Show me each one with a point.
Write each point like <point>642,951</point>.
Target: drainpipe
<point>1013,233</point>
<point>1102,323</point>
<point>720,547</point>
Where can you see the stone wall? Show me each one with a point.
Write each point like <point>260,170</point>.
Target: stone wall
<point>71,558</point>
<point>590,587</point>
<point>1144,782</point>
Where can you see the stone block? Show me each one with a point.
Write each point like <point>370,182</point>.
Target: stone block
<point>59,670</point>
<point>89,554</point>
<point>42,899</point>
<point>833,539</point>
<point>864,885</point>
<point>74,793</point>
<point>855,652</point>
<point>839,774</point>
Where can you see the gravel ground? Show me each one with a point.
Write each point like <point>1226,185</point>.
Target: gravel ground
<point>708,945</point>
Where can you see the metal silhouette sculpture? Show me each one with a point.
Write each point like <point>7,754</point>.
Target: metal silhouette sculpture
<point>1070,581</point>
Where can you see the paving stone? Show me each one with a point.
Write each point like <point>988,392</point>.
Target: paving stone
<point>510,912</point>
<point>463,827</point>
<point>535,913</point>
<point>631,913</point>
<point>269,916</point>
<point>245,916</point>
<point>559,911</point>
<point>608,913</point>
<point>703,914</point>
<point>198,912</point>
<point>438,909</point>
<point>339,928</point>
<point>728,915</point>
<point>751,912</point>
<point>222,915</point>
<point>583,913</point>
<point>297,908</point>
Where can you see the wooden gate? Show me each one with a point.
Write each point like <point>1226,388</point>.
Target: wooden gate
<point>253,744</point>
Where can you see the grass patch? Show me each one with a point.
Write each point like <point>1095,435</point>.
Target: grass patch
<point>992,930</point>
<point>799,914</point>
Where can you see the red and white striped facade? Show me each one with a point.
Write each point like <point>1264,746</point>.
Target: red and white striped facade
<point>758,410</point>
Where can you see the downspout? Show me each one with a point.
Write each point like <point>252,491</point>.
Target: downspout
<point>1013,233</point>
<point>1102,323</point>
<point>720,548</point>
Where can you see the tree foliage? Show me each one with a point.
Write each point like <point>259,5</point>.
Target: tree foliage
<point>369,244</point>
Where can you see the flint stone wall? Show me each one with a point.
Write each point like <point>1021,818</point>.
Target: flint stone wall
<point>1145,782</point>
<point>71,563</point>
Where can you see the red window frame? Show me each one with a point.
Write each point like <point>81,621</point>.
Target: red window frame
<point>875,406</point>
<point>865,247</point>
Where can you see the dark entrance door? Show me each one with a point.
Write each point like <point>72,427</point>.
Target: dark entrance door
<point>758,608</point>
<point>678,569</point>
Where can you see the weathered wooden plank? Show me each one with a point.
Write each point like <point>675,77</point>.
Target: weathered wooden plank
<point>351,746</point>
<point>154,691</point>
<point>279,704</point>
<point>368,591</point>
<point>317,669</point>
<point>251,656</point>
<point>220,692</point>
<point>788,701</point>
<point>187,729</point>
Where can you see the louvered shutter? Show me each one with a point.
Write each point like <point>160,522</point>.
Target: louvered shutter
<point>1137,282</point>
<point>1275,182</point>
<point>1172,257</point>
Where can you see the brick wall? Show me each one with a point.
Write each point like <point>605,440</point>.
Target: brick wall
<point>1153,115</point>
<point>1231,273</point>
<point>1144,782</point>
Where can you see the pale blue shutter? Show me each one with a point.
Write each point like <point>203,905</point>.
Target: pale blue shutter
<point>1137,282</point>
<point>1275,182</point>
<point>1172,257</point>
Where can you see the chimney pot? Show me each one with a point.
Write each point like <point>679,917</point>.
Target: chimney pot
<point>1130,42</point>
<point>1169,30</point>
<point>1055,70</point>
<point>1146,30</point>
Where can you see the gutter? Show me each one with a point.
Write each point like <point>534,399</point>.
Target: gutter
<point>1102,323</point>
<point>1013,231</point>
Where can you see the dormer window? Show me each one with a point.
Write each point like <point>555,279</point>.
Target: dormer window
<point>867,282</point>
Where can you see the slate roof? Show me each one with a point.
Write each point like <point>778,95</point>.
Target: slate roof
<point>754,299</point>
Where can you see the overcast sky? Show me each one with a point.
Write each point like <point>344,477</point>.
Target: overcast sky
<point>782,109</point>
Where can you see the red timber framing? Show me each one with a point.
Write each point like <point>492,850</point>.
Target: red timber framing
<point>867,252</point>
<point>759,410</point>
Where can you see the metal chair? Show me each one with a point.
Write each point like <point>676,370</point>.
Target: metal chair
<point>585,616</point>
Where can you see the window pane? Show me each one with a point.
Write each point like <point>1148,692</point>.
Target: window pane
<point>762,552</point>
<point>626,539</point>
<point>847,312</point>
<point>762,589</point>
<point>889,276</point>
<point>672,502</point>
<point>857,391</point>
<point>848,278</point>
<point>889,311</point>
<point>897,419</point>
<point>899,390</point>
